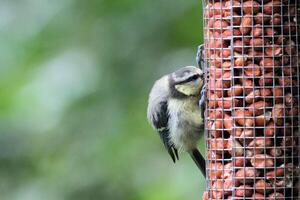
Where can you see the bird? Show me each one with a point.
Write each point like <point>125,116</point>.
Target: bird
<point>175,113</point>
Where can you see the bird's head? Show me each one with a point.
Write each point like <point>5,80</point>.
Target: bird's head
<point>186,82</point>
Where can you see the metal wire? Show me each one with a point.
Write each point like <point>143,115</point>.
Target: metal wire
<point>252,115</point>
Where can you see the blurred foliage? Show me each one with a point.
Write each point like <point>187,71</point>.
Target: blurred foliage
<point>75,76</point>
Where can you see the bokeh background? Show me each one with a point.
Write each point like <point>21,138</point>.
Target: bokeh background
<point>75,77</point>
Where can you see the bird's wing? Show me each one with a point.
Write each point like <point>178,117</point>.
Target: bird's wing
<point>199,160</point>
<point>158,115</point>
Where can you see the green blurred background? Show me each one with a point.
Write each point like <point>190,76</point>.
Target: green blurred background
<point>75,77</point>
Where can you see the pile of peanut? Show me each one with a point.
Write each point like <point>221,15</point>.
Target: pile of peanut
<point>252,110</point>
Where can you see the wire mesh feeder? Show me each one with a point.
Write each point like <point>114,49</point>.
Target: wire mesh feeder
<point>252,110</point>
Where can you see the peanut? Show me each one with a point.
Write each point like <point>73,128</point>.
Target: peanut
<point>215,60</point>
<point>272,7</point>
<point>265,92</point>
<point>278,112</point>
<point>243,117</point>
<point>239,46</point>
<point>258,108</point>
<point>228,102</point>
<point>257,31</point>
<point>220,25</point>
<point>278,94</point>
<point>258,144</point>
<point>289,27</point>
<point>215,73</point>
<point>225,53</point>
<point>205,195</point>
<point>255,54</point>
<point>228,122</point>
<point>268,64</point>
<point>267,79</point>
<point>235,5</point>
<point>270,129</point>
<point>244,191</point>
<point>221,84</point>
<point>246,24</point>
<point>251,7</point>
<point>236,19</point>
<point>288,142</point>
<point>286,130</point>
<point>227,170</point>
<point>229,33</point>
<point>275,19</point>
<point>290,47</point>
<point>273,51</point>
<point>211,155</point>
<point>246,175</point>
<point>219,187</point>
<point>277,173</point>
<point>215,114</point>
<point>217,43</point>
<point>234,147</point>
<point>263,119</point>
<point>212,101</point>
<point>262,186</point>
<point>289,70</point>
<point>258,196</point>
<point>239,161</point>
<point>277,196</point>
<point>285,81</point>
<point>216,9</point>
<point>247,85</point>
<point>247,133</point>
<point>261,18</point>
<point>214,128</point>
<point>218,145</point>
<point>214,170</point>
<point>252,70</point>
<point>253,96</point>
<point>293,112</point>
<point>262,161</point>
<point>280,39</point>
<point>235,90</point>
<point>240,61</point>
<point>226,65</point>
<point>275,152</point>
<point>271,32</point>
<point>256,43</point>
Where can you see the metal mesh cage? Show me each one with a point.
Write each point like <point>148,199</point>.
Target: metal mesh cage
<point>252,59</point>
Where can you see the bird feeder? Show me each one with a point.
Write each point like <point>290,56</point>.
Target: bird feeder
<point>251,60</point>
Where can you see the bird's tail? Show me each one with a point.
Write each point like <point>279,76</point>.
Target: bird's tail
<point>199,160</point>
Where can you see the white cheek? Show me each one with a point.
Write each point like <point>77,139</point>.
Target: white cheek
<point>196,86</point>
<point>191,88</point>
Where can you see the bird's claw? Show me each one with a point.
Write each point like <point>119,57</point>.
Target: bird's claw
<point>199,57</point>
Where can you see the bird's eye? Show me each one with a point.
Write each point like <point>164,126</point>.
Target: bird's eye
<point>193,78</point>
